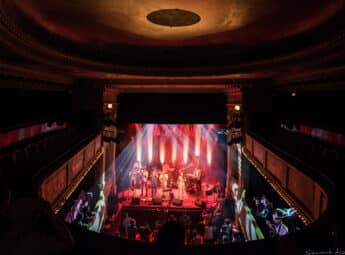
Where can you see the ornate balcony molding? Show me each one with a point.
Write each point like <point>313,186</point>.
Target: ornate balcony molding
<point>301,212</point>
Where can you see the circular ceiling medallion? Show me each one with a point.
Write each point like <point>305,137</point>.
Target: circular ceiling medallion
<point>173,17</point>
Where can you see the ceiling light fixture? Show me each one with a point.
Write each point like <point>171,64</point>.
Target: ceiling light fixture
<point>173,17</point>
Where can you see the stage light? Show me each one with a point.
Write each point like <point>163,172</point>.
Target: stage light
<point>293,93</point>
<point>109,106</point>
<point>138,145</point>
<point>197,140</point>
<point>185,149</point>
<point>162,149</point>
<point>150,142</point>
<point>237,107</point>
<point>209,149</point>
<point>174,149</point>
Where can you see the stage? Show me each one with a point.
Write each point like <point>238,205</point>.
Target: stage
<point>149,210</point>
<point>170,158</point>
<point>168,199</point>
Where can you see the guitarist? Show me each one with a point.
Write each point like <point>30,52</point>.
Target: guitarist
<point>181,185</point>
<point>154,181</point>
<point>144,179</point>
<point>197,176</point>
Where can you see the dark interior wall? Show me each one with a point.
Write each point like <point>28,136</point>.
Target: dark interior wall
<point>265,109</point>
<point>80,105</point>
<point>321,109</point>
<point>172,108</point>
<point>87,103</point>
<point>21,108</point>
<point>258,109</point>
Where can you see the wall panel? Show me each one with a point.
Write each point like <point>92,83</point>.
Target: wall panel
<point>54,184</point>
<point>277,167</point>
<point>249,142</point>
<point>259,152</point>
<point>302,188</point>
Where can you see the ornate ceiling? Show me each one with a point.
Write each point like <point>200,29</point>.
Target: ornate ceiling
<point>221,41</point>
<point>221,21</point>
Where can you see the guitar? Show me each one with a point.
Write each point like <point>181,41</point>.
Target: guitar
<point>145,176</point>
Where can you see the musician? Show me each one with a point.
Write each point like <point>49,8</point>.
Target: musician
<point>144,179</point>
<point>181,185</point>
<point>197,172</point>
<point>154,181</point>
<point>197,175</point>
<point>163,178</point>
<point>133,175</point>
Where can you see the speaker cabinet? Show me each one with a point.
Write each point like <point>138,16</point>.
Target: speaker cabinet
<point>135,201</point>
<point>209,192</point>
<point>177,202</point>
<point>200,203</point>
<point>156,201</point>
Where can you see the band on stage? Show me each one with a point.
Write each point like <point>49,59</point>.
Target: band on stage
<point>187,179</point>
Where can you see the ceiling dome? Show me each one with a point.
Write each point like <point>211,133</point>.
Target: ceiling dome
<point>214,21</point>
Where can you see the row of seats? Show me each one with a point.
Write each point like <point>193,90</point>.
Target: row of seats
<point>30,159</point>
<point>312,151</point>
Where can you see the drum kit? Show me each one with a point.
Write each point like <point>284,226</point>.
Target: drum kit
<point>192,184</point>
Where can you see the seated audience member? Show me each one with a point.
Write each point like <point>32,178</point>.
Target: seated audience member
<point>229,208</point>
<point>86,213</point>
<point>277,228</point>
<point>145,232</point>
<point>226,231</point>
<point>197,238</point>
<point>185,220</point>
<point>209,231</point>
<point>265,202</point>
<point>171,217</point>
<point>218,221</point>
<point>262,212</point>
<point>290,216</point>
<point>132,230</point>
<point>125,224</point>
<point>33,228</point>
<point>256,205</point>
<point>5,199</point>
<point>97,212</point>
<point>81,221</point>
<point>170,237</point>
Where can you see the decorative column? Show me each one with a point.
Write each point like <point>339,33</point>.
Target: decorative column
<point>233,106</point>
<point>110,139</point>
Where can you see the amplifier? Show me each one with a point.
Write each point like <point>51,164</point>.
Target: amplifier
<point>177,202</point>
<point>135,201</point>
<point>156,201</point>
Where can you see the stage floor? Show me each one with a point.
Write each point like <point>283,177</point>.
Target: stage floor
<point>189,201</point>
<point>146,211</point>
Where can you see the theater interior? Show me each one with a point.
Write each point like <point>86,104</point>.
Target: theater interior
<point>194,127</point>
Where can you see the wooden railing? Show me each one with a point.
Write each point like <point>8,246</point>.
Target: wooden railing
<point>297,189</point>
<point>60,184</point>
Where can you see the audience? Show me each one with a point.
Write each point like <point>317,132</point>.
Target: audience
<point>170,237</point>
<point>270,220</point>
<point>33,228</point>
<point>277,228</point>
<point>226,231</point>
